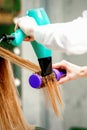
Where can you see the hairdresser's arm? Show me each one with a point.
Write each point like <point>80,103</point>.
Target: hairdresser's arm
<point>70,37</point>
<point>73,71</point>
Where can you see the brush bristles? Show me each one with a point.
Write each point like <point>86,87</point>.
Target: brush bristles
<point>49,82</point>
<point>53,92</point>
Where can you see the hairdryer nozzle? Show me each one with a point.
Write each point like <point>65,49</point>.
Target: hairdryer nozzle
<point>45,65</point>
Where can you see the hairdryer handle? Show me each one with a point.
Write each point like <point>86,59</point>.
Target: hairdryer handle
<point>41,18</point>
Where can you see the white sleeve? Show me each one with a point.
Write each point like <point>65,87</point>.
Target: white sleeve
<point>70,37</point>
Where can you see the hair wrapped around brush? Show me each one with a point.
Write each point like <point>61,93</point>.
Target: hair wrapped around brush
<point>49,83</point>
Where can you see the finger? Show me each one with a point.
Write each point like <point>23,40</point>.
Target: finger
<point>30,39</point>
<point>59,64</point>
<point>15,20</point>
<point>59,67</point>
<point>16,27</point>
<point>27,39</point>
<point>64,79</point>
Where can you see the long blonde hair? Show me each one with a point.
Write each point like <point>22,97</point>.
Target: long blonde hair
<point>11,116</point>
<point>52,89</point>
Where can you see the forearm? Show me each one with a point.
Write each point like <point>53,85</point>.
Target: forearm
<point>70,37</point>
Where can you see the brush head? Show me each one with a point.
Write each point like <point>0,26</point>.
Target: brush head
<point>35,81</point>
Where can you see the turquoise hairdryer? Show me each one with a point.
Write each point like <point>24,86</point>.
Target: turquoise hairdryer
<point>43,54</point>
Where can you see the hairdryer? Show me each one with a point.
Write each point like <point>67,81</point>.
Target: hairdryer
<point>43,54</point>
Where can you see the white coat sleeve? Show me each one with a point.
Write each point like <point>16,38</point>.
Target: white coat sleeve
<point>69,37</point>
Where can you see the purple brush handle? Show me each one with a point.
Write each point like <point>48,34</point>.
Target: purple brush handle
<point>35,80</point>
<point>59,73</point>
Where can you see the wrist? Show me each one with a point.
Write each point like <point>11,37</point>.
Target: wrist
<point>83,71</point>
<point>38,34</point>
